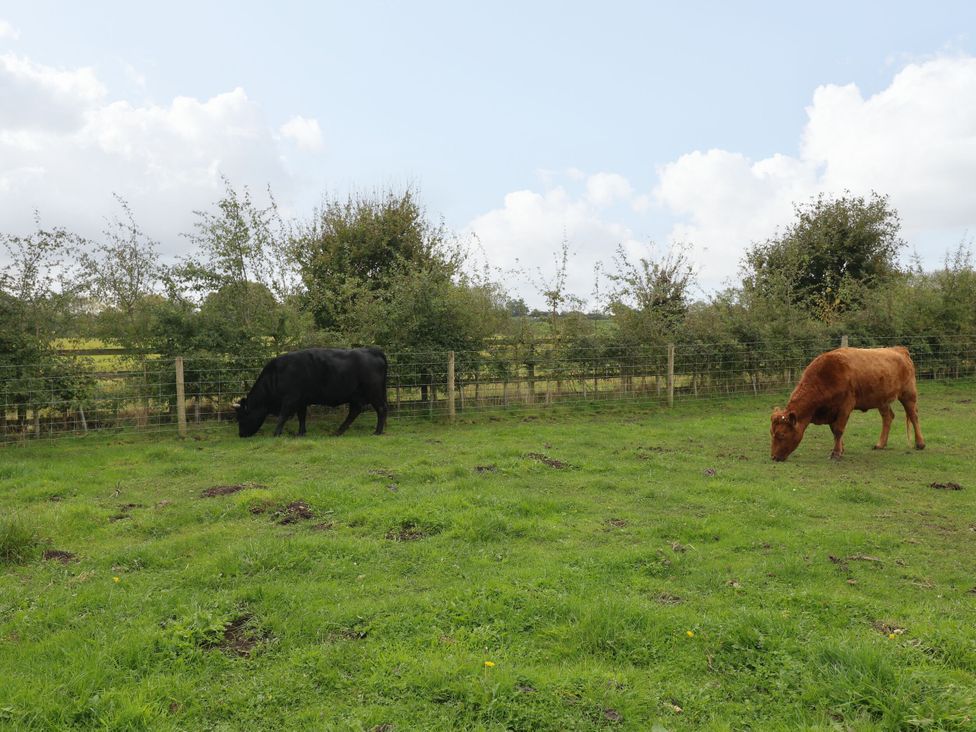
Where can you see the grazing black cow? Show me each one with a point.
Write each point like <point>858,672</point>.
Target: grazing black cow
<point>330,376</point>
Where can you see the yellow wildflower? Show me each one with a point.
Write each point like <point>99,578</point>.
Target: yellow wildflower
<point>116,580</point>
<point>690,633</point>
<point>489,664</point>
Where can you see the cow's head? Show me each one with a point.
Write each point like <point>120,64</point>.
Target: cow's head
<point>786,434</point>
<point>249,419</point>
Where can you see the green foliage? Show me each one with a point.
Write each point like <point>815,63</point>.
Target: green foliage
<point>363,245</point>
<point>122,271</point>
<point>836,251</point>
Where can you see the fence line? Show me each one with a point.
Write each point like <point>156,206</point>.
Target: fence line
<point>171,394</point>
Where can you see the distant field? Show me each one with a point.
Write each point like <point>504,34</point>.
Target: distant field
<point>603,567</point>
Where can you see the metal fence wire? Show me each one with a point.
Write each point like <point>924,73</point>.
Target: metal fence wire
<point>141,391</point>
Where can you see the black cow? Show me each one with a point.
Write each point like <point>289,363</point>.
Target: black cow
<point>331,376</point>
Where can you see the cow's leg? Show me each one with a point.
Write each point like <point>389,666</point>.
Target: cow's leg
<point>355,409</point>
<point>837,428</point>
<point>909,402</point>
<point>887,415</point>
<point>282,418</point>
<point>380,408</point>
<point>302,412</point>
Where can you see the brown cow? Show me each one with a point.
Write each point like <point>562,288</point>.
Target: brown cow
<point>840,381</point>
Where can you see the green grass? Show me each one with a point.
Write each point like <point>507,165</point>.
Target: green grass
<point>670,574</point>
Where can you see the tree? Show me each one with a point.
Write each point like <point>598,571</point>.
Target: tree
<point>121,272</point>
<point>649,298</point>
<point>41,278</point>
<point>554,289</point>
<point>361,245</point>
<point>39,285</point>
<point>835,251</point>
<point>243,263</point>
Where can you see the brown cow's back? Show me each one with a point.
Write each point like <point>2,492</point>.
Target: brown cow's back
<point>862,378</point>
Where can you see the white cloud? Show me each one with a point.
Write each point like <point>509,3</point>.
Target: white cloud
<point>530,227</point>
<point>64,149</point>
<point>41,97</point>
<point>915,141</point>
<point>604,189</point>
<point>304,132</point>
<point>7,31</point>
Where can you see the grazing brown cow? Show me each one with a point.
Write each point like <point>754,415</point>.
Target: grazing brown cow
<point>840,381</point>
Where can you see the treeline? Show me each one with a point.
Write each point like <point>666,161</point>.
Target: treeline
<point>376,269</point>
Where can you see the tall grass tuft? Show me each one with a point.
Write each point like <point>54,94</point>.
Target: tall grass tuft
<point>17,540</point>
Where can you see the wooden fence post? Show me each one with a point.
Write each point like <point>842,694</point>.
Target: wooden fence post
<point>450,385</point>
<point>670,375</point>
<point>180,398</point>
<point>843,341</point>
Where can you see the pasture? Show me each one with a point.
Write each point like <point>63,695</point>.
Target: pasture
<point>611,566</point>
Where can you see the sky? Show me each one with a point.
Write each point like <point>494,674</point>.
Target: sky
<point>521,124</point>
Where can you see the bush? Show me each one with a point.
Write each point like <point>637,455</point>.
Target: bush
<point>17,541</point>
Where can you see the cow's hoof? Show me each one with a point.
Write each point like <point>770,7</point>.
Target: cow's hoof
<point>835,456</point>
<point>879,447</point>
<point>919,447</point>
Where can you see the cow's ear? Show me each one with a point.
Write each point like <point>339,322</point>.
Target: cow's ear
<point>791,418</point>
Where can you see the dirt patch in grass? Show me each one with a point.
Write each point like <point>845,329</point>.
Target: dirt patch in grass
<point>226,490</point>
<point>709,472</point>
<point>616,523</point>
<point>842,561</point>
<point>546,460</point>
<point>124,512</point>
<point>644,453</point>
<point>349,634</point>
<point>293,513</point>
<point>237,640</point>
<point>383,473</point>
<point>666,598</point>
<point>57,555</point>
<point>886,628</point>
<point>324,526</point>
<point>410,531</point>
<point>948,486</point>
<point>384,728</point>
<point>486,468</point>
<point>612,715</point>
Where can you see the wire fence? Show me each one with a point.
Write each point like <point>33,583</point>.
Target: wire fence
<point>144,392</point>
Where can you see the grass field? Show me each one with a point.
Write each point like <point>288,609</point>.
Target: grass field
<point>611,567</point>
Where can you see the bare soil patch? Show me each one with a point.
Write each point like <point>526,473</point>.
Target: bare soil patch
<point>486,468</point>
<point>616,523</point>
<point>644,453</point>
<point>238,640</point>
<point>948,486</point>
<point>57,555</point>
<point>408,531</point>
<point>324,526</point>
<point>887,628</point>
<point>124,512</point>
<point>546,460</point>
<point>226,490</point>
<point>666,598</point>
<point>612,715</point>
<point>709,472</point>
<point>294,512</point>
